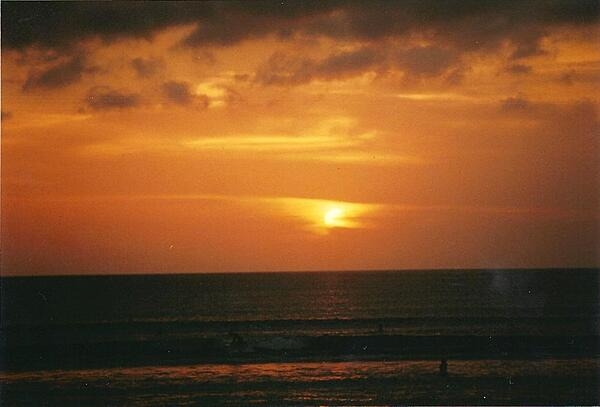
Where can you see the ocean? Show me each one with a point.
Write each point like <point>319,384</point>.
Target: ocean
<point>344,338</point>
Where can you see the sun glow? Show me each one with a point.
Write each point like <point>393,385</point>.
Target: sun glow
<point>334,217</point>
<point>322,216</point>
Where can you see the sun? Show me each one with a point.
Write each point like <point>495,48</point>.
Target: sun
<point>323,216</point>
<point>334,217</point>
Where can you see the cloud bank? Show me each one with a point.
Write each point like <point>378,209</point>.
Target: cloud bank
<point>465,25</point>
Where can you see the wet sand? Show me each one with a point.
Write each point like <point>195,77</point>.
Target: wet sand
<point>471,382</point>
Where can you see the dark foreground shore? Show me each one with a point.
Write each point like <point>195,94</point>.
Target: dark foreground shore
<point>408,382</point>
<point>235,348</point>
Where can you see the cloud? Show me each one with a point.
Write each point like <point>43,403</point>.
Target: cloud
<point>341,64</point>
<point>58,76</point>
<point>518,69</point>
<point>181,94</point>
<point>146,67</point>
<point>584,75</point>
<point>515,104</point>
<point>426,61</point>
<point>177,92</point>
<point>528,44</point>
<point>226,31</point>
<point>105,98</point>
<point>62,24</point>
<point>468,25</point>
<point>281,69</point>
<point>6,115</point>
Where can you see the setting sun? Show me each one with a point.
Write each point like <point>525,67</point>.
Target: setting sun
<point>334,217</point>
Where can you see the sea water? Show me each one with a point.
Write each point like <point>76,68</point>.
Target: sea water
<point>277,310</point>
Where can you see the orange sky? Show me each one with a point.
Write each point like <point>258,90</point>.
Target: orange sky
<point>204,137</point>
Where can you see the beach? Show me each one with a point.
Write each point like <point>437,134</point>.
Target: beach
<point>474,382</point>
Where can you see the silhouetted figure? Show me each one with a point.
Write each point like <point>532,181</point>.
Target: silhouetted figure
<point>444,367</point>
<point>380,328</point>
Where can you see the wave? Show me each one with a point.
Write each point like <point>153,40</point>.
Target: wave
<point>236,348</point>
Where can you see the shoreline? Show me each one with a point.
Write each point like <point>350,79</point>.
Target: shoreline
<point>281,349</point>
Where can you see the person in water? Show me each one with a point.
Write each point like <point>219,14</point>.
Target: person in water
<point>444,367</point>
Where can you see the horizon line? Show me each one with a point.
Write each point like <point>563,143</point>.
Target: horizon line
<point>450,269</point>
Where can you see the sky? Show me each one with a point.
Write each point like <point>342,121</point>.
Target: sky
<point>282,136</point>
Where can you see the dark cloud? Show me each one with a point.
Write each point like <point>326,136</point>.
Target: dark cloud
<point>177,92</point>
<point>61,24</point>
<point>225,31</point>
<point>572,76</point>
<point>583,75</point>
<point>180,93</point>
<point>345,63</point>
<point>105,98</point>
<point>515,104</point>
<point>527,44</point>
<point>518,69</point>
<point>426,61</point>
<point>58,76</point>
<point>6,115</point>
<point>281,69</point>
<point>465,24</point>
<point>146,67</point>
<point>233,22</point>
